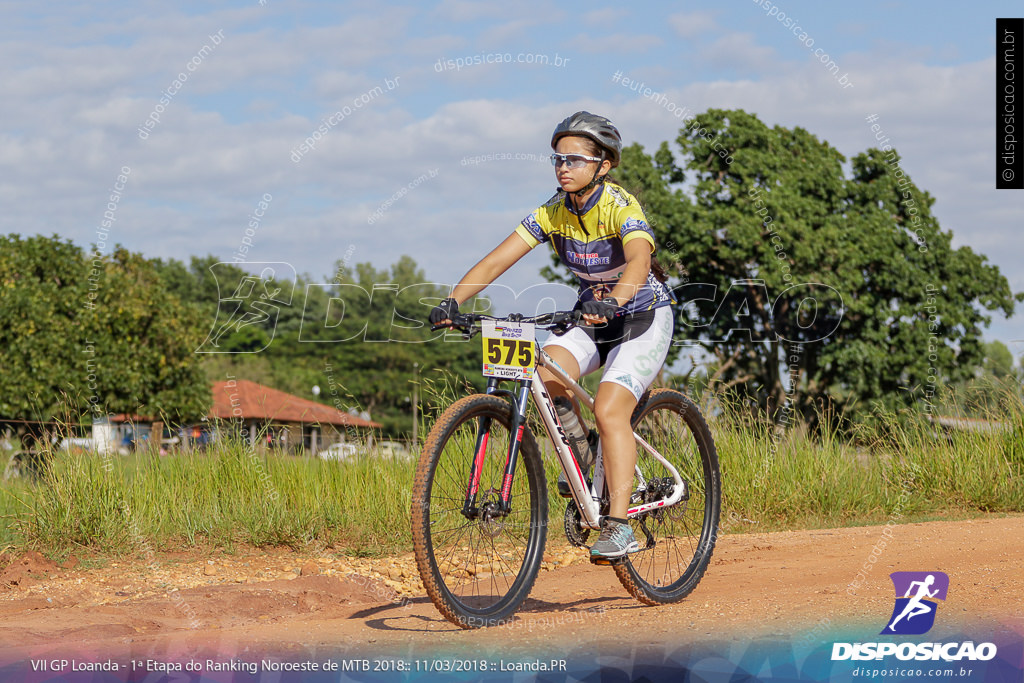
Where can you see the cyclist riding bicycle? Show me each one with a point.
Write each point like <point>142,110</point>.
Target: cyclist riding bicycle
<point>601,234</point>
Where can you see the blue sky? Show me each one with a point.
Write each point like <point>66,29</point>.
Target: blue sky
<point>80,80</point>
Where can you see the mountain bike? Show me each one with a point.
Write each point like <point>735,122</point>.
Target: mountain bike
<point>480,496</point>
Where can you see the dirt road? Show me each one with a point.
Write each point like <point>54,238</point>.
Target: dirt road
<point>788,584</point>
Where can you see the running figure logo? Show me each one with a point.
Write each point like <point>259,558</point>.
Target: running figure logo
<point>914,612</point>
<point>255,303</point>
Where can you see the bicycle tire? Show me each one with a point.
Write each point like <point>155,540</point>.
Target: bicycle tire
<point>476,572</point>
<point>685,533</point>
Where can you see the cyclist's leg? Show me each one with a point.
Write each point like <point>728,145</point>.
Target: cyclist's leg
<point>576,353</point>
<point>567,362</point>
<point>571,352</point>
<point>629,371</point>
<point>613,407</point>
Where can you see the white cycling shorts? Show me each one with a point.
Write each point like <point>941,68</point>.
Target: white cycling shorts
<point>632,348</point>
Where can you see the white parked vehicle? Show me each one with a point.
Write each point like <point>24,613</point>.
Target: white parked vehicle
<point>393,449</point>
<point>338,451</point>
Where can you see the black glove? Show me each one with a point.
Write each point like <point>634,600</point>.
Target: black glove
<point>446,310</point>
<point>606,308</point>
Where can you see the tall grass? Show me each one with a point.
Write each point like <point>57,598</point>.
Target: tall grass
<point>904,468</point>
<point>12,493</point>
<point>225,496</point>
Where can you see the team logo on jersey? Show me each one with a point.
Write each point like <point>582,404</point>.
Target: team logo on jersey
<point>914,612</point>
<point>586,259</point>
<point>533,227</point>
<point>633,224</point>
<point>618,196</point>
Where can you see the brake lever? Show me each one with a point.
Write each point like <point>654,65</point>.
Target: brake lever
<point>565,322</point>
<point>462,322</point>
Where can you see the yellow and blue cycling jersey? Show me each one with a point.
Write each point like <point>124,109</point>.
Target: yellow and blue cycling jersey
<point>611,217</point>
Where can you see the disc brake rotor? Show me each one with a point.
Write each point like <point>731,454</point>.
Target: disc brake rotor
<point>491,522</point>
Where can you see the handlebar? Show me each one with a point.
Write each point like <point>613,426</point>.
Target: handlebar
<point>558,322</point>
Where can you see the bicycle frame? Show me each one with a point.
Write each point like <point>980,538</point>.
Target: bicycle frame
<point>587,499</point>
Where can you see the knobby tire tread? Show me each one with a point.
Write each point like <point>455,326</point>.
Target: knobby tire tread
<point>530,465</point>
<point>702,434</point>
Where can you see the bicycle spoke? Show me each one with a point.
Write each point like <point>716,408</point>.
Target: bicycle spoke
<point>483,565</point>
<point>682,533</point>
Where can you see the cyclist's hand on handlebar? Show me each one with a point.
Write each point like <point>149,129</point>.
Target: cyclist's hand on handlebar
<point>563,321</point>
<point>599,311</point>
<point>444,312</point>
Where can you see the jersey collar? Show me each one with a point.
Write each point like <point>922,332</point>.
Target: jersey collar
<point>594,198</point>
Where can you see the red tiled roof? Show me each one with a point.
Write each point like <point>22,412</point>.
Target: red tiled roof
<point>132,418</point>
<point>249,400</point>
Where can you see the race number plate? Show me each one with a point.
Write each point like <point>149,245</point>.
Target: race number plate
<point>509,349</point>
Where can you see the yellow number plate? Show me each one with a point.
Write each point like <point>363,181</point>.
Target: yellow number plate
<point>509,349</point>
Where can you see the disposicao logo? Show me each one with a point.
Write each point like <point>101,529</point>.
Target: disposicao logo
<point>916,595</point>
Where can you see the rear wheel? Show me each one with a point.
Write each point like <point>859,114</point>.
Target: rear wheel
<point>478,567</point>
<point>677,542</point>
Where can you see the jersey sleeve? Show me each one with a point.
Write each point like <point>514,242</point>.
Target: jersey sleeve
<point>532,231</point>
<point>634,226</point>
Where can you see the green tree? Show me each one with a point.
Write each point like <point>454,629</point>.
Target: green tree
<point>998,360</point>
<point>83,334</point>
<point>356,335</point>
<point>807,286</point>
<point>146,338</point>
<point>386,334</point>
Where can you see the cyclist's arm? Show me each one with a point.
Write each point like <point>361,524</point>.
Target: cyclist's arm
<point>490,267</point>
<point>638,265</point>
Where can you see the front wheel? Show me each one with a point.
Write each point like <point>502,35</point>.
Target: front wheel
<point>676,543</point>
<point>478,566</point>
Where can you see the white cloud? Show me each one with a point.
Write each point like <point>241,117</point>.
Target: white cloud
<point>739,51</point>
<point>606,16</point>
<point>694,24</point>
<point>616,43</point>
<point>468,10</point>
<point>71,111</point>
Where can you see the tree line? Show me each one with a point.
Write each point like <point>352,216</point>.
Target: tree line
<point>84,334</point>
<point>810,289</point>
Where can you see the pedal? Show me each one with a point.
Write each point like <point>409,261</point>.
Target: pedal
<point>606,561</point>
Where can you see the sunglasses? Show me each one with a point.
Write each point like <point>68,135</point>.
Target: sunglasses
<point>572,161</point>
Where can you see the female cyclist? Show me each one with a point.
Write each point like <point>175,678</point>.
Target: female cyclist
<point>599,231</point>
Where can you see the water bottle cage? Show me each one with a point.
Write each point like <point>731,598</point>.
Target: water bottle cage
<point>581,449</point>
<point>574,434</point>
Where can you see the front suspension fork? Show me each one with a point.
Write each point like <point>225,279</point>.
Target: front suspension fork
<point>470,509</point>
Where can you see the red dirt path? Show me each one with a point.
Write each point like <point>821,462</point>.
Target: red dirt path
<point>782,584</point>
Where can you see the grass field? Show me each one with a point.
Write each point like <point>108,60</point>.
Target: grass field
<point>230,495</point>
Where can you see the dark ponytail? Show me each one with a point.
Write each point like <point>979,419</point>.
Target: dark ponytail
<point>658,270</point>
